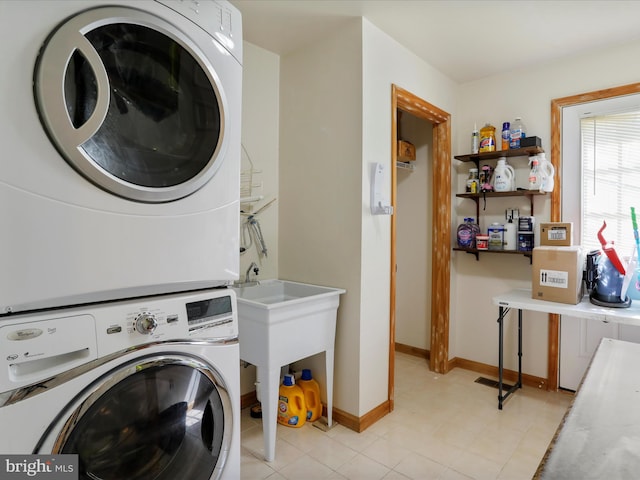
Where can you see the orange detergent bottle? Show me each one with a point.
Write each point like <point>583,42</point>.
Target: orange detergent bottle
<point>311,391</point>
<point>292,410</point>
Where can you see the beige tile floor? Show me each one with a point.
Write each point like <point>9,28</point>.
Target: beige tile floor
<point>443,427</point>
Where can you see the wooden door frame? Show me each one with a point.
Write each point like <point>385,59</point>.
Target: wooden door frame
<point>441,228</point>
<point>557,105</point>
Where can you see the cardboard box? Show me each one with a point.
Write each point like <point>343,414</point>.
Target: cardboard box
<point>556,234</point>
<point>557,274</point>
<point>406,151</point>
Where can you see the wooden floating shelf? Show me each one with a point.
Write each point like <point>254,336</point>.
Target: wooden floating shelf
<point>514,193</point>
<point>515,152</point>
<point>475,250</point>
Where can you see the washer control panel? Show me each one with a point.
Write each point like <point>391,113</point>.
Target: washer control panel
<point>40,345</point>
<point>208,315</point>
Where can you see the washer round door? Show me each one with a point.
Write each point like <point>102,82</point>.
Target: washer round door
<point>162,417</point>
<point>132,103</point>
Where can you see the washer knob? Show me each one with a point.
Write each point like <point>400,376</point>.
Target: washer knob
<point>146,323</point>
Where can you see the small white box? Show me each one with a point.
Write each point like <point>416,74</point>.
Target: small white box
<point>559,234</point>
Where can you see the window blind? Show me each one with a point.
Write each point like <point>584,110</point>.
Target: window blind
<point>610,151</point>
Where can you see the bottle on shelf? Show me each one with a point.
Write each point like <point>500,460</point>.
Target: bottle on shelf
<point>473,183</point>
<point>488,138</point>
<point>475,139</point>
<point>506,135</point>
<point>534,174</point>
<point>547,172</point>
<point>467,233</point>
<point>510,237</point>
<point>518,131</point>
<point>496,236</point>
<point>504,177</point>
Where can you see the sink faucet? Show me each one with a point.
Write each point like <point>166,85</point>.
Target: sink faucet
<point>254,267</point>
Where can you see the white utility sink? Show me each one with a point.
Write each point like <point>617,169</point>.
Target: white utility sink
<point>281,322</point>
<point>271,294</point>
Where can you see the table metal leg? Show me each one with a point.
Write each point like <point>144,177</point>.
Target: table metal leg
<point>519,385</point>
<point>502,395</point>
<point>503,311</point>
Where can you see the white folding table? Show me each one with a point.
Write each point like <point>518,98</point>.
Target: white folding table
<point>520,299</point>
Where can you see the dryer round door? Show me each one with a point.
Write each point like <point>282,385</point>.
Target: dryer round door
<point>162,417</point>
<point>132,103</point>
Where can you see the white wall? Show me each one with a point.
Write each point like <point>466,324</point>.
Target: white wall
<point>260,132</point>
<point>320,204</point>
<point>385,62</point>
<point>528,93</point>
<point>260,127</point>
<point>335,122</point>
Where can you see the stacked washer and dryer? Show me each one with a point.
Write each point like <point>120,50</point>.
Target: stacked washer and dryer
<point>119,206</point>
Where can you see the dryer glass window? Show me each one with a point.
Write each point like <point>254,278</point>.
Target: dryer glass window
<point>134,103</point>
<point>163,122</point>
<point>164,422</point>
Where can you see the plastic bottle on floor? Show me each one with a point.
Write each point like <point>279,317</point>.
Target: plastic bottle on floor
<point>311,391</point>
<point>292,410</point>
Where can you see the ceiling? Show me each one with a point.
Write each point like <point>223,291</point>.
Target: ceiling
<point>464,39</point>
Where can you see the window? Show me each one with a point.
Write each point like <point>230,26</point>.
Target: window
<point>610,158</point>
<point>601,170</point>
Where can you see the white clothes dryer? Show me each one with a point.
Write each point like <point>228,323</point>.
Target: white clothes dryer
<point>139,390</point>
<point>120,132</point>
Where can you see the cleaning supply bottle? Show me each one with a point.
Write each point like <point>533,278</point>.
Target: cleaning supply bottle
<point>506,135</point>
<point>311,391</point>
<point>475,139</point>
<point>518,131</point>
<point>292,410</point>
<point>488,138</point>
<point>534,173</point>
<point>473,183</point>
<point>547,173</point>
<point>510,237</point>
<point>467,233</point>
<point>504,177</point>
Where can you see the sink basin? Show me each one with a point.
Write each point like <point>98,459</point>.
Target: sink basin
<point>270,294</point>
<point>279,323</point>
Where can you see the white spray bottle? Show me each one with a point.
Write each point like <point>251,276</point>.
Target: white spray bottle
<point>534,174</point>
<point>510,229</point>
<point>547,173</point>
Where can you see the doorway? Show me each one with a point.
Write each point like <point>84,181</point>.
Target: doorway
<point>404,101</point>
<point>413,237</point>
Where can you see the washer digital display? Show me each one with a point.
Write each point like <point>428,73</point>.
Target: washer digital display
<point>207,309</point>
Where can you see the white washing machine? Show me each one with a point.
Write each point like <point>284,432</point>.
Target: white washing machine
<point>120,135</point>
<point>141,389</point>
